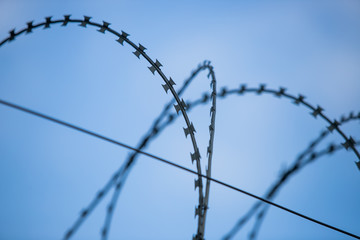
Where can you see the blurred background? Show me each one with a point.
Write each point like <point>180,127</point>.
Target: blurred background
<point>49,173</point>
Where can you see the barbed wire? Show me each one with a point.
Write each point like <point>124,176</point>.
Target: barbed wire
<point>205,98</point>
<point>300,162</point>
<point>209,148</point>
<point>117,179</point>
<point>155,131</point>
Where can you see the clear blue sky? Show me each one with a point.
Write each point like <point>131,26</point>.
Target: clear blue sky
<point>49,173</point>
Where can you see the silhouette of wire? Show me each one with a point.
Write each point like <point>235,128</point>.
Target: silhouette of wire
<point>175,165</point>
<point>210,147</point>
<point>299,163</point>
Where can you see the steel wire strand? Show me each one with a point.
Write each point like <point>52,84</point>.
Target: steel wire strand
<point>209,149</point>
<point>154,132</point>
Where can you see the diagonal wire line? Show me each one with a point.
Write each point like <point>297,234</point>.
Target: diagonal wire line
<point>170,119</point>
<point>175,165</point>
<point>156,130</point>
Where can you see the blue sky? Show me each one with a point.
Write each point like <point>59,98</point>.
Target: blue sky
<point>49,173</point>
